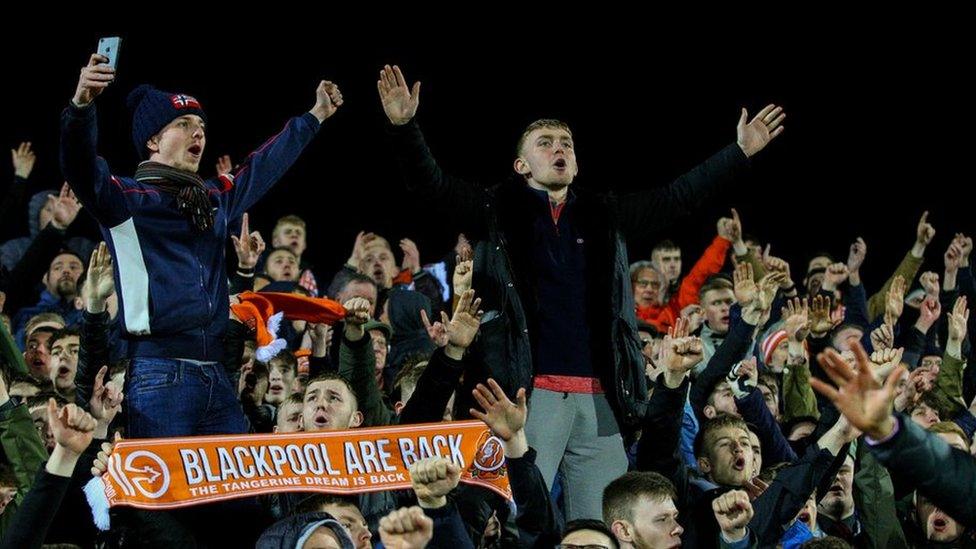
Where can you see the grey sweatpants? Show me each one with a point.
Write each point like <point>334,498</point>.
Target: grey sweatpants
<point>577,434</point>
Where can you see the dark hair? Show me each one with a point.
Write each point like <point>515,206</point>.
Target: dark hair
<point>664,245</point>
<point>715,282</point>
<point>355,278</point>
<point>40,399</point>
<point>61,334</point>
<point>620,496</point>
<point>286,358</point>
<point>590,524</point>
<point>315,503</point>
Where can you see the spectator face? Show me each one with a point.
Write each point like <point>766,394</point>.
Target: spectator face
<point>655,524</point>
<point>648,346</point>
<point>329,406</point>
<point>717,304</point>
<point>39,416</point>
<point>359,289</point>
<point>289,418</point>
<point>846,337</point>
<point>281,382</point>
<point>936,525</point>
<point>7,494</point>
<point>37,355</point>
<point>728,457</point>
<point>802,430</point>
<point>377,263</point>
<point>808,515</point>
<point>721,401</point>
<point>291,236</point>
<point>925,415</point>
<point>180,144</point>
<point>779,357</point>
<point>46,214</point>
<point>380,350</point>
<point>649,288</point>
<point>756,453</point>
<point>771,399</point>
<point>931,361</point>
<point>838,502</point>
<point>322,538</point>
<point>282,265</point>
<point>64,362</point>
<point>62,276</point>
<point>668,262</point>
<point>819,262</point>
<point>352,520</point>
<point>548,157</point>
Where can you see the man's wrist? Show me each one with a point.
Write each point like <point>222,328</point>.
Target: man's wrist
<point>517,446</point>
<point>884,431</point>
<point>454,352</point>
<point>918,250</point>
<point>101,429</point>
<point>62,461</point>
<point>735,535</point>
<point>318,113</point>
<point>673,380</point>
<point>432,503</point>
<point>95,305</point>
<point>354,332</point>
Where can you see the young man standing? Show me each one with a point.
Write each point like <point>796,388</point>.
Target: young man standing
<point>167,228</point>
<point>558,271</point>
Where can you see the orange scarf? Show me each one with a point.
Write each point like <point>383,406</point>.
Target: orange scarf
<point>167,473</point>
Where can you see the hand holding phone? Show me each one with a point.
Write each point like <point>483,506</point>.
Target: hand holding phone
<point>109,47</point>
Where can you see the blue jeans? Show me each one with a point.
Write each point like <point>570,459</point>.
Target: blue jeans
<point>171,397</point>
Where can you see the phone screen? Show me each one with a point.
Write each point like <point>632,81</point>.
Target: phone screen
<point>109,47</point>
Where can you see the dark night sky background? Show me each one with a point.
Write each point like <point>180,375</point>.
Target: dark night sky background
<point>877,128</point>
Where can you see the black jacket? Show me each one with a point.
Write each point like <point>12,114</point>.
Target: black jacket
<point>945,475</point>
<point>501,217</point>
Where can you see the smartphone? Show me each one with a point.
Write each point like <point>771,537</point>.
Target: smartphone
<point>109,47</point>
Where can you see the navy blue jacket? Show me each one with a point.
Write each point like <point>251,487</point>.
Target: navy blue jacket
<point>170,278</point>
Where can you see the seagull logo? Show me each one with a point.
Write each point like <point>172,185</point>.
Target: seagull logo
<point>491,454</point>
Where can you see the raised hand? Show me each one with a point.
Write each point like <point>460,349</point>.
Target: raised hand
<point>399,101</point>
<point>328,99</point>
<point>753,136</point>
<point>865,402</point>
<point>249,245</point>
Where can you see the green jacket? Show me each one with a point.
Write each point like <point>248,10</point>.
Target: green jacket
<point>874,499</point>
<point>908,268</point>
<point>25,454</point>
<point>948,387</point>
<point>10,355</point>
<point>357,364</point>
<point>799,399</point>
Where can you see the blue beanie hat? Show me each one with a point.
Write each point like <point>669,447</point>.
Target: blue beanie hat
<point>153,109</point>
